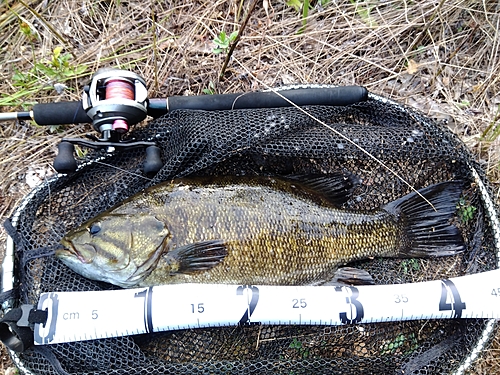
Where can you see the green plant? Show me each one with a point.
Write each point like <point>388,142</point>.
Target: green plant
<point>45,75</point>
<point>28,30</point>
<point>465,210</point>
<point>296,344</point>
<point>80,153</point>
<point>59,67</point>
<point>391,347</point>
<point>410,265</point>
<point>491,133</point>
<point>299,5</point>
<point>223,41</point>
<point>363,10</point>
<point>463,104</point>
<point>210,90</point>
<point>303,7</point>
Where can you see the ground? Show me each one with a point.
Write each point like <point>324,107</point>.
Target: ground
<point>441,57</point>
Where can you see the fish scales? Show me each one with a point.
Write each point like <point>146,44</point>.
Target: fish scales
<point>297,237</point>
<point>250,231</point>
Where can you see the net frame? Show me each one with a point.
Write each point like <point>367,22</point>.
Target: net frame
<point>491,212</point>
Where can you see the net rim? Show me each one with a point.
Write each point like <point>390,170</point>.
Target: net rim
<point>9,278</point>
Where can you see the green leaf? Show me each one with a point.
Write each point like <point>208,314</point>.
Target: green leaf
<point>222,43</point>
<point>210,90</point>
<point>80,69</point>
<point>233,36</point>
<point>363,10</point>
<point>305,12</point>
<point>25,28</point>
<point>295,4</point>
<point>18,77</point>
<point>57,52</point>
<point>221,39</point>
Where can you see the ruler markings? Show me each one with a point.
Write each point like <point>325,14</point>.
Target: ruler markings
<point>88,315</point>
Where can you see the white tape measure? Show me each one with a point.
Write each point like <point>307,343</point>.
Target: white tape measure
<point>77,316</point>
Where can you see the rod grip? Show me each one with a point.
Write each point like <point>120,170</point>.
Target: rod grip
<point>329,96</point>
<point>60,113</point>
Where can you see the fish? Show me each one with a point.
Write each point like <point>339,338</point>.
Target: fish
<point>256,231</point>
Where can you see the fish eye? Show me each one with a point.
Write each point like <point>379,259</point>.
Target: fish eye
<point>94,228</point>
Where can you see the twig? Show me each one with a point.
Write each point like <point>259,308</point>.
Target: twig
<point>155,46</point>
<point>452,55</point>
<point>48,25</point>
<point>426,28</point>
<point>233,45</point>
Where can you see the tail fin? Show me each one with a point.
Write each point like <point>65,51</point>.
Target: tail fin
<point>428,229</point>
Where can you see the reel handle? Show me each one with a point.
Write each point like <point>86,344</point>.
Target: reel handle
<point>65,161</point>
<point>153,161</point>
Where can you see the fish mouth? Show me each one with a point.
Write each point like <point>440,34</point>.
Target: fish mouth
<point>67,249</point>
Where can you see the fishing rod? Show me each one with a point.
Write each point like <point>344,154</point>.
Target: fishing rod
<point>116,99</point>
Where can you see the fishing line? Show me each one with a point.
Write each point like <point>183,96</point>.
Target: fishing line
<point>337,133</point>
<point>123,170</point>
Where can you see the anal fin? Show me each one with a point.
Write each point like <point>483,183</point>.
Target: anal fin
<point>351,276</point>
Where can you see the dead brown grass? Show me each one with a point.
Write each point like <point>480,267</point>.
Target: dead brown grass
<point>441,57</point>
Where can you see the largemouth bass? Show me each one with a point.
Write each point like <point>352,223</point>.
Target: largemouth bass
<point>254,231</point>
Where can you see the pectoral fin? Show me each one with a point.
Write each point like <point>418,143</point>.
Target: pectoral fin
<point>196,257</point>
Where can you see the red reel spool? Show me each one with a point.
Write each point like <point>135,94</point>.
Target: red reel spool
<point>120,89</point>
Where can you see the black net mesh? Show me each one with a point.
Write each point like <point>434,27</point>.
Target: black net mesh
<point>282,141</point>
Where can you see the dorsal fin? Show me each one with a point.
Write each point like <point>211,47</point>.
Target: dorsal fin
<point>336,187</point>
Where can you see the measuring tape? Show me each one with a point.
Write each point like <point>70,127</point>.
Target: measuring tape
<point>78,316</point>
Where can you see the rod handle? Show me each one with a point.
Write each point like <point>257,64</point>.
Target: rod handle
<point>60,113</point>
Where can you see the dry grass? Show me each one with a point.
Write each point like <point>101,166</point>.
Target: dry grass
<point>441,57</point>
